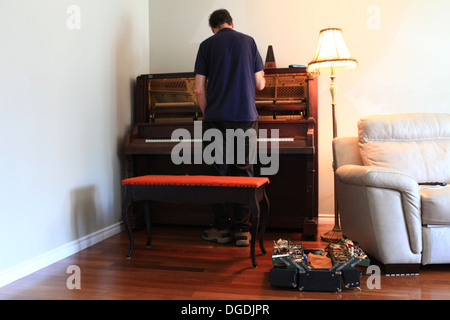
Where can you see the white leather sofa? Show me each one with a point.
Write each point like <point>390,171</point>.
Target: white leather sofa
<point>398,222</point>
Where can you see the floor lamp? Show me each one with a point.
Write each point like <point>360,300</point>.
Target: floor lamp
<point>332,56</point>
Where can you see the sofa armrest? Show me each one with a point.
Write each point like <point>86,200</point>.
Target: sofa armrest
<point>378,177</point>
<point>388,182</point>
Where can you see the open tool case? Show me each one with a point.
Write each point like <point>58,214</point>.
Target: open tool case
<point>317,269</point>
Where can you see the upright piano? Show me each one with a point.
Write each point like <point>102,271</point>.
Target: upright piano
<point>166,102</point>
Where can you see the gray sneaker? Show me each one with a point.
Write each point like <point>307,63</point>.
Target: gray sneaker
<point>214,234</point>
<point>242,239</point>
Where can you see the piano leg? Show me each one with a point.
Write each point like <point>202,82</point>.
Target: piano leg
<point>130,165</point>
<point>310,223</point>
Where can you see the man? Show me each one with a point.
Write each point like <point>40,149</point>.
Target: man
<point>228,68</point>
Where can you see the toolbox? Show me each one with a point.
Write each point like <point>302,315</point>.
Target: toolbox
<point>328,269</point>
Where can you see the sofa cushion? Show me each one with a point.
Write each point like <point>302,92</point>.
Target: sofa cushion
<point>417,144</point>
<point>435,244</point>
<point>435,205</point>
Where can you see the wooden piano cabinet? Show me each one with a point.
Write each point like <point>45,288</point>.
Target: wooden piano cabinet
<point>292,190</point>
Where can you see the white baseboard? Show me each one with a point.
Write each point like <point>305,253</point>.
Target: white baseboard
<point>326,219</point>
<point>32,265</point>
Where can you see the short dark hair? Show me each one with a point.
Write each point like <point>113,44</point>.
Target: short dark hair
<point>219,17</point>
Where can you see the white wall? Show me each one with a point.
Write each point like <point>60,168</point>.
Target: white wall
<point>65,106</point>
<point>402,47</point>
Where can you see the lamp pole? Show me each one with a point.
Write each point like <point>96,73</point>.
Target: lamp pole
<point>334,235</point>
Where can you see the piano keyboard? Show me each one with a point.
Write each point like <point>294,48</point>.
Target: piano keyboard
<point>289,139</point>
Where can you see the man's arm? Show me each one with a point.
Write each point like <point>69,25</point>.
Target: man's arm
<point>200,91</point>
<point>260,81</point>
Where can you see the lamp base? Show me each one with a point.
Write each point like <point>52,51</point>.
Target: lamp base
<point>334,235</point>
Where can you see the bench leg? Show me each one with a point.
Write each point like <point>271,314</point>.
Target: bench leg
<point>125,206</point>
<point>254,215</point>
<point>264,216</point>
<point>148,224</point>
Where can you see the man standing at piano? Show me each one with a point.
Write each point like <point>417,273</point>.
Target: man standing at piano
<point>230,63</point>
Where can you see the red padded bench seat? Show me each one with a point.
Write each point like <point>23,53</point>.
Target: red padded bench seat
<point>199,189</point>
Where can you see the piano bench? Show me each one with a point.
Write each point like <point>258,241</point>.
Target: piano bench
<point>198,189</point>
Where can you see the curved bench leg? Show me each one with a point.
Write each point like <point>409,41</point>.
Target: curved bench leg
<point>264,216</point>
<point>148,224</point>
<point>126,204</point>
<point>254,213</point>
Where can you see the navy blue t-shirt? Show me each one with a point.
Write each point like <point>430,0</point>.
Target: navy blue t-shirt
<point>229,59</point>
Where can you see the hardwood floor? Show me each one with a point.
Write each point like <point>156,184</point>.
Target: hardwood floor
<point>182,266</point>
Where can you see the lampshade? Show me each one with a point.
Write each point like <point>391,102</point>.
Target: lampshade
<point>332,54</point>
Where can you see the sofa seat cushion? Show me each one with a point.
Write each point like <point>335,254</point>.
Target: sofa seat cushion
<point>435,203</point>
<point>417,144</point>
